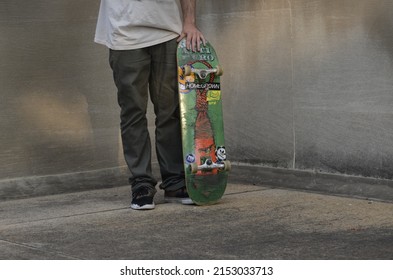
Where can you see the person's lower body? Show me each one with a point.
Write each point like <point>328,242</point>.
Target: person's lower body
<point>136,74</point>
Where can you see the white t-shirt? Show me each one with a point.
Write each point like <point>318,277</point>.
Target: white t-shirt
<point>133,24</point>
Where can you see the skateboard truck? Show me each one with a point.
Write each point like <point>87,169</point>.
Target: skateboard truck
<point>202,73</point>
<point>210,165</point>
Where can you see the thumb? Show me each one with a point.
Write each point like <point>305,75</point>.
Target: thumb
<point>181,37</point>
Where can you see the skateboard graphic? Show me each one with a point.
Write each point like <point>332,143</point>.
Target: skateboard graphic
<point>205,160</point>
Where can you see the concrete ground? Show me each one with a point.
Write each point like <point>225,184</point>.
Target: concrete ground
<point>250,222</point>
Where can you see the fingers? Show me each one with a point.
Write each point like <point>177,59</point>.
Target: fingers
<point>196,41</point>
<point>194,37</point>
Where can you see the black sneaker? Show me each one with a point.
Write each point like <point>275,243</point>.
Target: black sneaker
<point>178,196</point>
<point>142,199</point>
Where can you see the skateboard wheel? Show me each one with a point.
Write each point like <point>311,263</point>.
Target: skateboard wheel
<point>187,70</point>
<point>227,165</point>
<point>194,167</point>
<point>219,70</point>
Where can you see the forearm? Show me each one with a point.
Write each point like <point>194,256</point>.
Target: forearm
<point>190,31</point>
<point>188,9</point>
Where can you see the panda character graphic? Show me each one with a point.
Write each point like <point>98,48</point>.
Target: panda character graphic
<point>221,154</point>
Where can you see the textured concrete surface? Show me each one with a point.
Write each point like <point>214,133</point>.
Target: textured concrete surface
<point>307,84</point>
<point>250,222</point>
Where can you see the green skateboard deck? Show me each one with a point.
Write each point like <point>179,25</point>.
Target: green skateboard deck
<point>205,161</point>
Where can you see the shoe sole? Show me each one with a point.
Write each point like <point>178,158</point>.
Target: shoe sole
<point>144,207</point>
<point>184,201</point>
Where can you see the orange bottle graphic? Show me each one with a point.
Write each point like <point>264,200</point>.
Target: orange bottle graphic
<point>204,136</point>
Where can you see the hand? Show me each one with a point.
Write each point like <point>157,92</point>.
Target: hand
<point>194,37</point>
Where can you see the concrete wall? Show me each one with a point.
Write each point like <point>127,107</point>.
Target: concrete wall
<point>58,110</point>
<point>308,85</point>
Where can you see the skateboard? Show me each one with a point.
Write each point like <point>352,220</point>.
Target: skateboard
<point>205,160</point>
